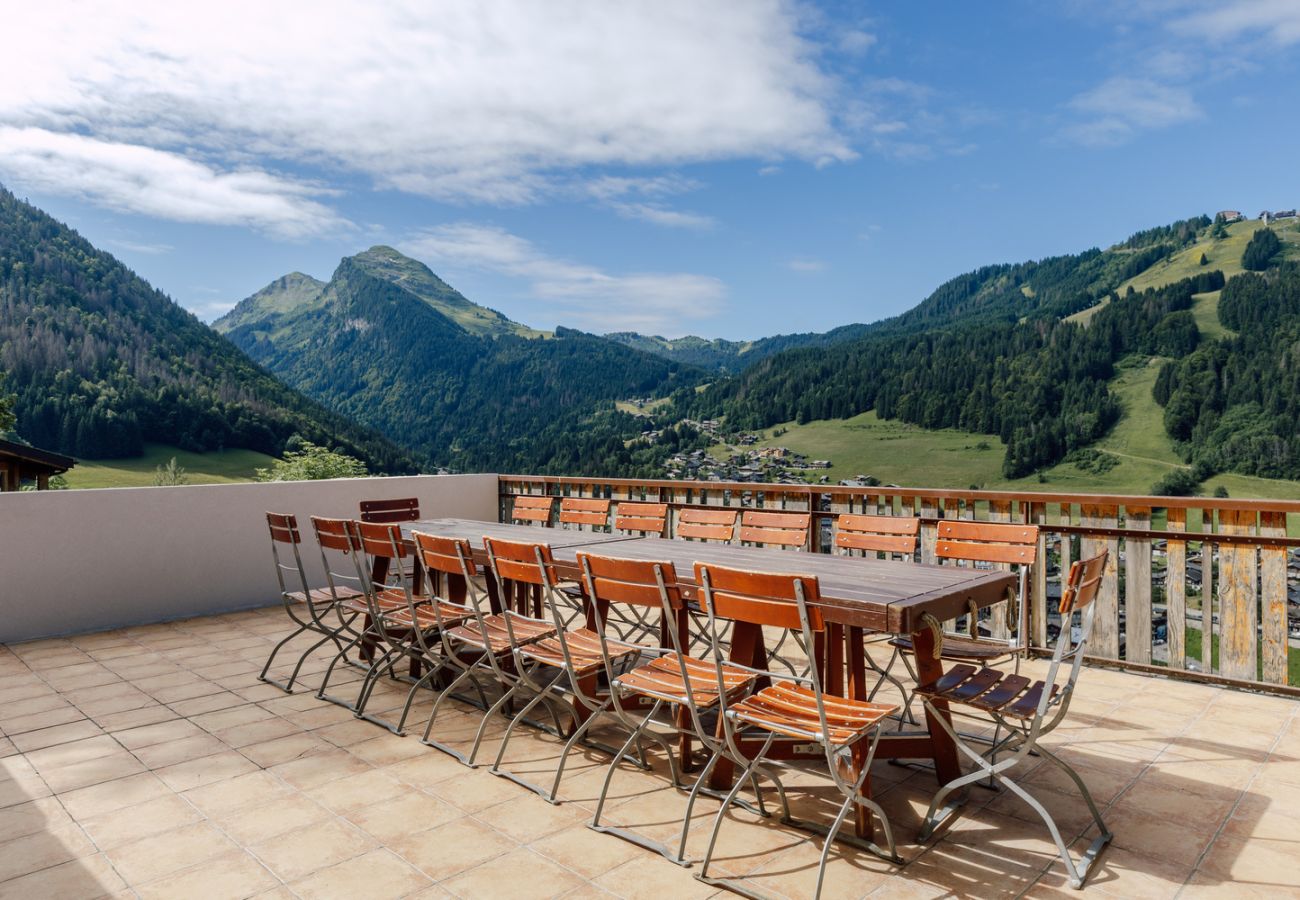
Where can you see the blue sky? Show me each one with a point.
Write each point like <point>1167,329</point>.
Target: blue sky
<point>734,168</point>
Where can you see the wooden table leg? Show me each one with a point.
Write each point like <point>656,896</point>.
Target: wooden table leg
<point>929,668</point>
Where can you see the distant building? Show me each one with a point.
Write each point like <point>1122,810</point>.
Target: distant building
<point>1230,215</point>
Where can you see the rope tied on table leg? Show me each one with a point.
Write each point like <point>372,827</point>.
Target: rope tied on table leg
<point>936,630</point>
<point>973,618</point>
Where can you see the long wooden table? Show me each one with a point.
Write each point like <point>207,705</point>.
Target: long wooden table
<point>857,595</point>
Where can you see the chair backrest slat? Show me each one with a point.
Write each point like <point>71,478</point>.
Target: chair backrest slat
<point>284,528</point>
<point>517,561</point>
<point>439,554</point>
<point>584,511</point>
<point>532,508</point>
<point>706,524</point>
<point>992,542</point>
<point>382,540</point>
<point>760,598</point>
<point>406,509</point>
<point>631,581</point>
<point>336,534</point>
<point>878,534</point>
<point>1083,583</point>
<point>646,518</point>
<point>775,528</point>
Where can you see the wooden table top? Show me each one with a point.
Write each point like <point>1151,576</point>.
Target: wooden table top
<point>883,595</point>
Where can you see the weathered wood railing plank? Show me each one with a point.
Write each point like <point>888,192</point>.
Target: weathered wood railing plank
<point>1240,548</point>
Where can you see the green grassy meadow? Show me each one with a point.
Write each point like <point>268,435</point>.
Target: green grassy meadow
<point>221,467</point>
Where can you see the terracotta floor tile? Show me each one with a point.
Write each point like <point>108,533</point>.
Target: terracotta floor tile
<point>42,849</point>
<point>153,857</point>
<point>452,848</point>
<point>113,795</point>
<point>285,749</point>
<point>358,790</point>
<point>156,733</point>
<point>297,854</point>
<point>650,877</point>
<point>251,825</point>
<point>397,817</point>
<point>206,770</point>
<point>320,768</point>
<point>377,875</point>
<point>59,734</point>
<point>257,732</point>
<point>131,718</point>
<point>93,771</point>
<point>587,852</point>
<point>247,789</point>
<point>28,818</point>
<point>233,874</point>
<point>530,874</point>
<point>170,753</point>
<point>89,876</point>
<point>132,823</point>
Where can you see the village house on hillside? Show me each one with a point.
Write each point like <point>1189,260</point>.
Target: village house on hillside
<point>1229,215</point>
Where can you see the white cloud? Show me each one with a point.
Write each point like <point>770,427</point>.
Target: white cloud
<point>1121,106</point>
<point>651,303</point>
<point>1278,21</point>
<point>139,246</point>
<point>136,179</point>
<point>806,265</point>
<point>620,194</point>
<point>463,101</point>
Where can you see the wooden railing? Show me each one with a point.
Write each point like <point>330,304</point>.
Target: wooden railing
<point>1217,572</point>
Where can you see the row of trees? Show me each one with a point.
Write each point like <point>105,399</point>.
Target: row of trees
<point>100,362</point>
<point>1041,384</point>
<point>1234,403</point>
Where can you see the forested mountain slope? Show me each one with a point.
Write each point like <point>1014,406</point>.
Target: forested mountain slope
<point>101,362</point>
<point>459,384</point>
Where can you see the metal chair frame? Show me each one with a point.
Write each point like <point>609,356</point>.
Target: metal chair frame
<point>606,588</point>
<point>1023,737</point>
<point>400,630</point>
<point>566,676</point>
<point>801,592</point>
<point>789,531</point>
<point>501,664</point>
<point>339,537</point>
<point>892,536</point>
<point>284,530</point>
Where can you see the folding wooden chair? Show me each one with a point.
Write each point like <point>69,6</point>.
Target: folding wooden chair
<point>685,684</point>
<point>1025,712</point>
<point>695,524</point>
<point>646,519</point>
<point>406,628</point>
<point>381,512</point>
<point>982,545</point>
<point>792,707</point>
<point>406,509</point>
<point>761,528</point>
<point>488,638</point>
<point>584,512</point>
<point>299,599</point>
<point>340,551</point>
<point>563,666</point>
<point>530,509</point>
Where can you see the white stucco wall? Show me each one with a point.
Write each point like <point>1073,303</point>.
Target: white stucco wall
<point>88,560</point>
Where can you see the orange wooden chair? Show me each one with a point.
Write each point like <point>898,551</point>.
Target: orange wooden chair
<point>529,509</point>
<point>488,639</point>
<point>306,607</point>
<point>983,545</point>
<point>1025,711</point>
<point>893,537</point>
<point>792,706</point>
<point>761,528</point>
<point>560,669</point>
<point>695,524</point>
<point>670,678</point>
<point>406,628</point>
<point>406,509</point>
<point>580,512</point>
<point>342,560</point>
<point>890,536</point>
<point>641,518</point>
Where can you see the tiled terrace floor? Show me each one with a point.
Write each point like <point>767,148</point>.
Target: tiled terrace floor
<point>152,762</point>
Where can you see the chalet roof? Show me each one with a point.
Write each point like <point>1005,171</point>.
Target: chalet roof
<point>34,458</point>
